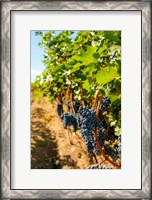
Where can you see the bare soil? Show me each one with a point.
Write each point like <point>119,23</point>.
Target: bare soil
<point>53,146</point>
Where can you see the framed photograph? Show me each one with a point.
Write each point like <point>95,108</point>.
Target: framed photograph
<point>76,90</point>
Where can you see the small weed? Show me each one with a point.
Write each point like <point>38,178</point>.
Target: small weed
<point>42,143</point>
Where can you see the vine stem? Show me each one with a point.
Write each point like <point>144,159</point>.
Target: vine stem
<point>92,100</point>
<point>82,96</point>
<point>96,98</point>
<point>68,92</point>
<point>102,152</point>
<point>71,99</point>
<point>91,160</point>
<point>107,131</point>
<point>59,100</point>
<point>69,96</point>
<point>103,160</point>
<point>70,138</point>
<point>98,107</point>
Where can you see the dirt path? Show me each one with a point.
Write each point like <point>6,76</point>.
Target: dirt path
<point>52,146</point>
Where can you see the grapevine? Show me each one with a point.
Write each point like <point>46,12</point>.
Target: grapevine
<point>83,75</point>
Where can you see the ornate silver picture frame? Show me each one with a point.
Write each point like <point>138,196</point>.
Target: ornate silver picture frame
<point>8,7</point>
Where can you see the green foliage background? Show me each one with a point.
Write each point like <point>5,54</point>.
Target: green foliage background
<point>91,62</point>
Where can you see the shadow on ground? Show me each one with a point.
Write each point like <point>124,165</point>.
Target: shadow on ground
<point>44,149</point>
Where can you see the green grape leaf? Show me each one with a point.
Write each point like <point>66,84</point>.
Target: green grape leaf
<point>117,131</point>
<point>106,75</point>
<point>86,85</point>
<point>103,48</point>
<point>92,69</point>
<point>76,67</point>
<point>85,70</point>
<point>86,57</point>
<point>113,97</point>
<point>113,123</point>
<point>77,80</point>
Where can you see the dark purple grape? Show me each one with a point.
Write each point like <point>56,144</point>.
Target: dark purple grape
<point>59,109</point>
<point>98,166</point>
<point>69,120</point>
<point>104,105</point>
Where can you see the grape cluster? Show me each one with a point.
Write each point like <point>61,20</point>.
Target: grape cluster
<point>97,166</point>
<point>101,136</point>
<point>68,103</point>
<point>59,109</point>
<point>76,106</point>
<point>104,123</point>
<point>89,141</point>
<point>118,146</point>
<point>69,120</point>
<point>111,152</point>
<point>86,120</point>
<point>110,138</point>
<point>119,138</point>
<point>118,149</point>
<point>104,105</point>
